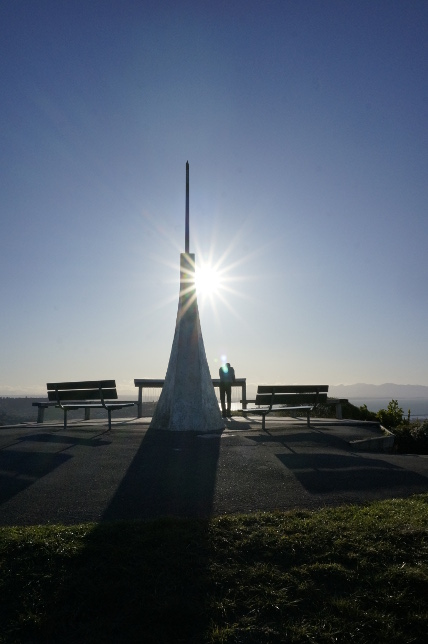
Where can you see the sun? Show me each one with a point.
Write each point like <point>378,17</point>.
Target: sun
<point>207,280</point>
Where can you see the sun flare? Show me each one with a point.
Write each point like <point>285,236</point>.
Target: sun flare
<point>207,280</point>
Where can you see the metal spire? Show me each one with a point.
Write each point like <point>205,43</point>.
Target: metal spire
<point>186,243</point>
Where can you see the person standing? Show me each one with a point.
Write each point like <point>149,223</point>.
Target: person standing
<point>227,378</point>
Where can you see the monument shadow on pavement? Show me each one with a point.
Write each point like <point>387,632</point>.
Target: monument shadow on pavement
<point>172,474</point>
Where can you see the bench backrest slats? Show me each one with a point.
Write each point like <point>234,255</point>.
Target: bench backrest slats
<point>291,389</point>
<point>290,399</point>
<point>86,390</point>
<point>83,394</point>
<point>86,384</point>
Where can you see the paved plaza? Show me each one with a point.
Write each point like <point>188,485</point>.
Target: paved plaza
<point>88,473</point>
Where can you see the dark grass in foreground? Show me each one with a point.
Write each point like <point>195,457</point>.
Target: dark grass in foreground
<point>350,574</point>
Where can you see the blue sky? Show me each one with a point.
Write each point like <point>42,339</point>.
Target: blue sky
<point>305,126</point>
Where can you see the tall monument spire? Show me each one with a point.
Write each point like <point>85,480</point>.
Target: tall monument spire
<point>187,401</point>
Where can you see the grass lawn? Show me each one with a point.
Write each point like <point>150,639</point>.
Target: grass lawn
<point>349,574</point>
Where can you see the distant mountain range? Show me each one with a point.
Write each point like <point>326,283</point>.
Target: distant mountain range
<point>387,390</point>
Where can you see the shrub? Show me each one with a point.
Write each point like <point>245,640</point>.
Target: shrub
<point>411,437</point>
<point>392,416</point>
<point>366,414</point>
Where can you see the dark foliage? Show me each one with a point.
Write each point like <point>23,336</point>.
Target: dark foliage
<point>411,438</point>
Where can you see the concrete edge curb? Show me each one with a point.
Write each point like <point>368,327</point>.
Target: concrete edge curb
<point>379,444</point>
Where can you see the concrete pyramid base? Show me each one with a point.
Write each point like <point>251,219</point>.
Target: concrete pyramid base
<point>188,401</point>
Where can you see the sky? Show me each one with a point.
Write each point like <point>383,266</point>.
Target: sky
<point>305,126</point>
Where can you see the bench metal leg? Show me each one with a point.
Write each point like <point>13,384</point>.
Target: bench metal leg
<point>263,422</point>
<point>140,402</point>
<point>65,419</point>
<point>87,413</point>
<point>109,418</point>
<point>40,414</point>
<point>244,395</point>
<point>308,418</point>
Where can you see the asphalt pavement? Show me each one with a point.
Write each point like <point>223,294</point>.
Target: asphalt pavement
<point>88,473</point>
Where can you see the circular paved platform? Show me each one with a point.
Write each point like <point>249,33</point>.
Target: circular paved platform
<point>88,473</point>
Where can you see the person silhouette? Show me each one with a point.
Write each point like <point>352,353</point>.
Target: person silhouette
<point>227,378</point>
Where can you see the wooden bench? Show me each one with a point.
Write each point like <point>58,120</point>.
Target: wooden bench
<point>288,398</point>
<point>87,395</point>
